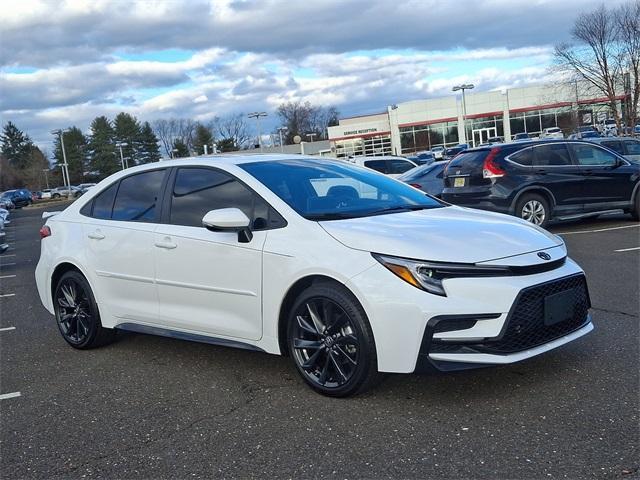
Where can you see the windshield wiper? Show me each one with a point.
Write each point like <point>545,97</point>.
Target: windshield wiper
<point>401,208</point>
<point>317,217</point>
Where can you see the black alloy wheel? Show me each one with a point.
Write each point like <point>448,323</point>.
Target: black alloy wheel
<point>77,313</point>
<point>331,342</point>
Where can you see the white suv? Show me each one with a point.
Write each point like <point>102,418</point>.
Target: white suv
<point>388,164</point>
<point>286,256</point>
<point>552,132</point>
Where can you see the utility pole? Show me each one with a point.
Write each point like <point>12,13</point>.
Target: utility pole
<point>65,166</point>
<point>257,116</point>
<point>280,130</point>
<point>463,87</point>
<point>46,176</point>
<point>120,145</point>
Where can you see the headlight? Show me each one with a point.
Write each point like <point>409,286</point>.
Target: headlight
<point>428,276</point>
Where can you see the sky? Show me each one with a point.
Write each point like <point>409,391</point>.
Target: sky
<point>63,63</point>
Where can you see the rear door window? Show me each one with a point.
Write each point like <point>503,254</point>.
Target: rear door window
<point>589,155</point>
<point>614,145</point>
<point>554,154</point>
<point>137,197</point>
<point>377,165</point>
<point>397,166</point>
<point>631,147</point>
<point>523,157</point>
<point>103,203</point>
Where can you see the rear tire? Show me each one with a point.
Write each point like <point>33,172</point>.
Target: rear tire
<point>534,208</point>
<point>77,313</point>
<point>331,342</point>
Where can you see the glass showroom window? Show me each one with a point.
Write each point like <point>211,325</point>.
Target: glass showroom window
<point>370,146</point>
<point>424,137</point>
<point>491,124</point>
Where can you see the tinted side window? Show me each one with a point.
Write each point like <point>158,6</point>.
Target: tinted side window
<point>377,165</point>
<point>137,198</point>
<point>631,147</point>
<point>523,157</point>
<point>590,155</point>
<point>552,154</point>
<point>400,166</point>
<point>614,145</point>
<point>198,190</point>
<point>103,203</point>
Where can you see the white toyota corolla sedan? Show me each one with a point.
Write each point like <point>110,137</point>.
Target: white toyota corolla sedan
<point>345,270</point>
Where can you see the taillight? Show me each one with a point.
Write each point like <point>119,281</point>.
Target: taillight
<point>45,232</point>
<point>416,185</point>
<point>490,169</point>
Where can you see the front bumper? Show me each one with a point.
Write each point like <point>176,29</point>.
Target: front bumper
<point>402,319</point>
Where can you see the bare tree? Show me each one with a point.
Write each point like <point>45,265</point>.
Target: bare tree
<point>628,19</point>
<point>231,131</point>
<point>170,130</point>
<point>304,118</point>
<point>595,55</point>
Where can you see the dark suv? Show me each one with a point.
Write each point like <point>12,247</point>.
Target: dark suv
<point>20,198</point>
<point>542,180</point>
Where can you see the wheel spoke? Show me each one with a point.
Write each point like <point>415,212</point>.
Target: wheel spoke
<point>338,320</point>
<point>300,343</point>
<point>346,355</point>
<point>304,325</point>
<point>337,366</point>
<point>325,370</point>
<point>84,327</point>
<point>315,318</point>
<point>311,362</point>
<point>347,340</point>
<point>69,295</point>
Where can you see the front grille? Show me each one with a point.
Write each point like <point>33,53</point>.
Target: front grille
<point>525,327</point>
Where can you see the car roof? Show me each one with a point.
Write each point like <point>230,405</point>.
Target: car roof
<point>532,142</point>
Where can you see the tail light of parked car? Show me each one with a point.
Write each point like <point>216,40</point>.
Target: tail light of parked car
<point>490,168</point>
<point>45,232</point>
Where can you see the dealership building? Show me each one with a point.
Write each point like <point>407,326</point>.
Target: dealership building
<point>410,127</point>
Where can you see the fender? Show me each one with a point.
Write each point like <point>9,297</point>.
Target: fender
<point>512,208</point>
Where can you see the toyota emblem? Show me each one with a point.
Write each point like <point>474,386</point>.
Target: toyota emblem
<point>544,255</point>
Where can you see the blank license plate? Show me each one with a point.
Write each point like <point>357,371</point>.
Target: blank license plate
<point>458,182</point>
<point>559,307</point>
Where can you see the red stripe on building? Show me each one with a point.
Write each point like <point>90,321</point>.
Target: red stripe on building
<point>428,122</point>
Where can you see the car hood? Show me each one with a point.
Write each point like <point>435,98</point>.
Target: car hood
<point>448,234</point>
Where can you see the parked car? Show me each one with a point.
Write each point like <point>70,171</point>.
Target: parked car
<point>552,132</point>
<point>389,165</point>
<point>45,194</point>
<point>422,158</point>
<point>438,152</point>
<point>518,137</point>
<point>492,140</point>
<point>428,178</point>
<point>244,251</point>
<point>629,148</point>
<point>20,197</point>
<point>63,191</point>
<point>587,131</point>
<point>6,203</point>
<point>542,180</point>
<point>636,130</point>
<point>453,151</point>
<point>85,186</point>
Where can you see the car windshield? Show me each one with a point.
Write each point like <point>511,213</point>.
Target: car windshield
<point>332,190</point>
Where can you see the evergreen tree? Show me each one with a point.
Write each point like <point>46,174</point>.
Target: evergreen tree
<point>104,160</point>
<point>16,146</point>
<point>150,151</point>
<point>127,130</point>
<point>75,148</point>
<point>227,145</point>
<point>180,149</point>
<point>202,137</point>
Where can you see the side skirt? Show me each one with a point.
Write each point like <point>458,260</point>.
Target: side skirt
<point>191,337</point>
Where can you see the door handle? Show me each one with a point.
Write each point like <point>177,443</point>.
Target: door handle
<point>588,172</point>
<point>97,235</point>
<point>166,245</point>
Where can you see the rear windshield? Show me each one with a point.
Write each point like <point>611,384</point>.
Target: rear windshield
<point>468,159</point>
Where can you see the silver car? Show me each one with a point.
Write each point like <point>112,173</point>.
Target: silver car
<point>628,147</point>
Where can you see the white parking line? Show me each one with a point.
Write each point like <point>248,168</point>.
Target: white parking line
<point>598,230</point>
<point>6,329</point>
<point>6,396</point>
<point>627,249</point>
<point>11,255</point>
<point>8,295</point>
<point>7,276</point>
<point>6,264</point>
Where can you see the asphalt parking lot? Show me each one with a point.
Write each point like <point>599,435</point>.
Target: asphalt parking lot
<point>150,407</point>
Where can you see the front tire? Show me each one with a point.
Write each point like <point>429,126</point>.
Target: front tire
<point>534,208</point>
<point>331,341</point>
<point>77,313</point>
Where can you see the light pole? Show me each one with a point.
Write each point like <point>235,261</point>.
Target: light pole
<point>257,116</point>
<point>280,131</point>
<point>463,87</point>
<point>46,176</point>
<point>120,145</point>
<point>65,166</point>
